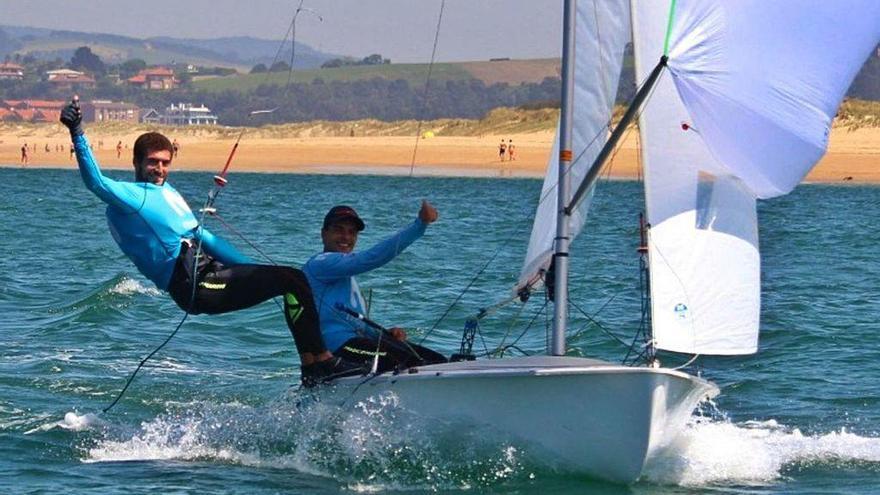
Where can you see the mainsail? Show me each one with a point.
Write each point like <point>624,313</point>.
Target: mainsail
<point>744,112</point>
<point>601,36</point>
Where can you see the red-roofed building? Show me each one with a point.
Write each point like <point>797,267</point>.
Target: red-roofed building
<point>34,110</point>
<point>29,115</point>
<point>155,79</point>
<point>11,71</point>
<point>70,80</point>
<point>41,104</point>
<point>8,115</point>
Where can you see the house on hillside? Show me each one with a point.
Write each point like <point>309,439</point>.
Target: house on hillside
<point>10,71</point>
<point>69,80</point>
<point>188,114</point>
<point>155,79</point>
<point>33,110</point>
<point>108,111</point>
<point>151,116</point>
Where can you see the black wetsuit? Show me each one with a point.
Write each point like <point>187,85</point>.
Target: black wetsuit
<point>221,288</point>
<point>393,354</point>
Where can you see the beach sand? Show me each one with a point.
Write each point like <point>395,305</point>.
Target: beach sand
<point>853,155</point>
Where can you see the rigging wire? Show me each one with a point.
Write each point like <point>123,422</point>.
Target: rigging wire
<point>541,200</point>
<point>427,87</point>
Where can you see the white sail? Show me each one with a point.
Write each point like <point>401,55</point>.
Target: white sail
<point>744,112</point>
<point>762,80</point>
<point>703,243</point>
<point>601,36</point>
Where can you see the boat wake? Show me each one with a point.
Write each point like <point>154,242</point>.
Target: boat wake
<point>378,446</point>
<point>719,452</point>
<point>373,446</point>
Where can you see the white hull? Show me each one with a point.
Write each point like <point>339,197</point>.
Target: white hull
<point>585,415</point>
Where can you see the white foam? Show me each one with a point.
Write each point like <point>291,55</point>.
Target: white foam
<point>373,446</point>
<point>712,452</point>
<point>127,286</point>
<point>72,422</point>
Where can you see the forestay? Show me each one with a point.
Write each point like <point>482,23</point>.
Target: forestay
<point>601,35</point>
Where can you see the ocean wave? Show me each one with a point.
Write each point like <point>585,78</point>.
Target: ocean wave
<point>115,293</point>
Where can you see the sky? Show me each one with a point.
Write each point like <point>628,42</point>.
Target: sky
<point>402,30</point>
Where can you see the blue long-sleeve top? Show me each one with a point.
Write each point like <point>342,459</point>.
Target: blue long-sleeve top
<point>331,276</point>
<point>148,221</point>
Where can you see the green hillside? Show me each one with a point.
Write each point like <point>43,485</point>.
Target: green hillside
<point>412,73</point>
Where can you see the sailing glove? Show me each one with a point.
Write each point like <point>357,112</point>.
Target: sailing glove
<point>71,116</point>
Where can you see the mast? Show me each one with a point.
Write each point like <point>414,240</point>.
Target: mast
<point>556,347</point>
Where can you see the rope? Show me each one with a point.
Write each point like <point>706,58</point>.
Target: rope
<point>461,294</point>
<point>144,361</point>
<point>427,87</point>
<point>593,321</point>
<point>512,345</point>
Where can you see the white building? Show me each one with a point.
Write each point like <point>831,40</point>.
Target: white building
<point>188,114</point>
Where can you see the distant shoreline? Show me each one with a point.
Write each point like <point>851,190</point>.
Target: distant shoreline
<point>853,155</point>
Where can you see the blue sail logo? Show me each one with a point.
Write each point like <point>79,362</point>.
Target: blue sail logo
<point>681,311</point>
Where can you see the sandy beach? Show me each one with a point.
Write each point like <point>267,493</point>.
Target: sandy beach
<point>853,155</point>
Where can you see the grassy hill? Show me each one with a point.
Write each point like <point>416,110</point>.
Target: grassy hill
<point>505,71</point>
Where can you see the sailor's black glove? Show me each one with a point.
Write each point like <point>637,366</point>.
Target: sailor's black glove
<point>71,116</point>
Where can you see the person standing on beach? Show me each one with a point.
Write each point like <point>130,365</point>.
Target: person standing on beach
<point>502,148</point>
<point>175,146</point>
<point>510,150</point>
<point>203,273</point>
<point>119,149</point>
<point>331,275</point>
<point>24,154</point>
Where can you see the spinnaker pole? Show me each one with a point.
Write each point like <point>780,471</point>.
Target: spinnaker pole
<point>628,117</point>
<point>556,347</point>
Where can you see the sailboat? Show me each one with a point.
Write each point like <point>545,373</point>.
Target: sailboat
<point>735,103</point>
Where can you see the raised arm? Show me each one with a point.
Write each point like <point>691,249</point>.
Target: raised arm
<point>109,190</point>
<point>329,266</point>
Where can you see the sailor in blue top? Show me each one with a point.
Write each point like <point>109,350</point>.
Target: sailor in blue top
<point>331,275</point>
<point>155,228</point>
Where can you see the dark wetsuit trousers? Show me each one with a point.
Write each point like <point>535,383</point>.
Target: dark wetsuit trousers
<point>220,289</point>
<point>393,354</point>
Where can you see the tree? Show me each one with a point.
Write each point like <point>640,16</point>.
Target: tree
<point>280,66</point>
<point>259,69</point>
<point>131,67</point>
<point>375,59</point>
<point>84,59</point>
